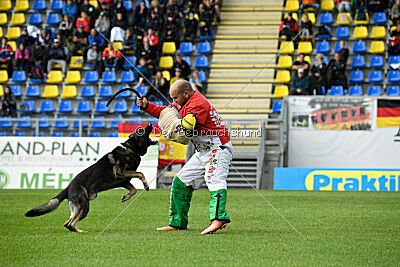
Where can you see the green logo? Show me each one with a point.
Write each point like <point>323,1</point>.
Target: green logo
<point>4,179</point>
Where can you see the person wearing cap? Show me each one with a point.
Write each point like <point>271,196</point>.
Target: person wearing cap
<point>80,41</point>
<point>93,56</point>
<point>57,55</point>
<point>95,37</point>
<point>178,76</point>
<point>183,66</point>
<point>300,83</point>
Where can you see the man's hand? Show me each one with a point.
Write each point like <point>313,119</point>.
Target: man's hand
<point>142,102</point>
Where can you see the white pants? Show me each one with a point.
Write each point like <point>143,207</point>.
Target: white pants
<point>211,166</point>
<point>117,34</point>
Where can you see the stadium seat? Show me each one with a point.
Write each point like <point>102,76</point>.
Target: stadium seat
<point>127,77</point>
<point>285,62</point>
<point>51,91</point>
<point>91,77</point>
<point>361,22</point>
<point>337,46</point>
<point>113,134</point>
<point>375,76</point>
<point>20,134</point>
<point>393,76</point>
<point>6,123</point>
<point>277,106</point>
<point>47,106</point>
<point>28,106</point>
<point>323,47</point>
<point>52,31</point>
<point>129,62</point>
<point>158,103</point>
<point>393,90</point>
<point>114,123</point>
<point>17,19</point>
<point>283,76</point>
<point>356,76</point>
<point>1,90</point>
<point>3,18</point>
<point>355,90</point>
<point>76,62</point>
<point>326,18</point>
<point>19,76</point>
<point>13,33</point>
<point>166,75</point>
<point>106,91</point>
<point>292,5</point>
<point>56,5</point>
<point>65,106</point>
<point>41,134</point>
<point>23,124</point>
<point>109,77</point>
<point>53,19</point>
<point>44,124</point>
<point>304,47</point>
<point>287,47</point>
<point>21,5</point>
<point>358,61</point>
<point>207,37</point>
<point>378,32</point>
<point>95,3</point>
<point>74,134</point>
<point>325,36</point>
<point>168,48</point>
<point>33,91</point>
<point>3,76</point>
<point>186,48</point>
<point>84,107</point>
<point>79,120</point>
<point>69,91</point>
<point>359,47</point>
<point>377,47</point>
<point>61,123</point>
<point>343,19</point>
<point>94,134</point>
<point>142,90</point>
<point>73,76</point>
<point>327,5</point>
<point>125,94</point>
<point>374,90</point>
<point>337,90</point>
<point>281,91</point>
<point>39,5</point>
<point>55,76</point>
<point>57,134</point>
<point>16,90</point>
<point>342,32</point>
<point>135,108</point>
<point>3,134</point>
<point>306,58</point>
<point>118,45</point>
<point>1,32</point>
<point>100,124</point>
<point>360,32</point>
<point>127,4</point>
<point>376,62</point>
<point>203,48</point>
<point>394,61</point>
<point>380,18</point>
<point>187,60</point>
<point>101,107</point>
<point>5,5</point>
<point>201,62</point>
<point>13,45</point>
<point>120,107</point>
<point>35,19</point>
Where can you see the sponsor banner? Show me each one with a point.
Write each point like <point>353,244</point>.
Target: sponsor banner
<point>388,113</point>
<point>337,179</point>
<point>49,162</point>
<point>330,113</point>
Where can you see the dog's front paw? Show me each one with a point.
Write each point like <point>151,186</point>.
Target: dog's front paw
<point>125,198</point>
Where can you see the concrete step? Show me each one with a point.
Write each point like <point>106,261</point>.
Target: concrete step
<point>242,95</point>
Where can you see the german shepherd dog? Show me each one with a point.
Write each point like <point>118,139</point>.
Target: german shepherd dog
<point>115,169</point>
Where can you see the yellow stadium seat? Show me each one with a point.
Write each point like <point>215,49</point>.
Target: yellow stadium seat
<point>21,5</point>
<point>343,19</point>
<point>5,5</point>
<point>377,47</point>
<point>76,62</point>
<point>281,91</point>
<point>69,91</point>
<point>17,19</point>
<point>3,76</point>
<point>55,76</point>
<point>166,62</point>
<point>287,47</point>
<point>94,3</point>
<point>3,18</point>
<point>118,45</point>
<point>306,58</point>
<point>285,62</point>
<point>392,28</point>
<point>1,90</point>
<point>168,48</point>
<point>311,17</point>
<point>361,22</point>
<point>283,76</point>
<point>166,75</point>
<point>13,45</point>
<point>294,16</point>
<point>378,32</point>
<point>1,32</point>
<point>305,47</point>
<point>292,5</point>
<point>360,32</point>
<point>73,76</point>
<point>327,5</point>
<point>50,91</point>
<point>13,32</point>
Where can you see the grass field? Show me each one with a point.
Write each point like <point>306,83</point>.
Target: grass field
<point>341,228</point>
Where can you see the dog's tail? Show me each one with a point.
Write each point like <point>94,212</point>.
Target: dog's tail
<point>49,206</point>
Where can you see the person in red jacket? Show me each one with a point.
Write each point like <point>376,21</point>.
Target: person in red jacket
<point>84,20</point>
<point>288,27</point>
<point>210,163</point>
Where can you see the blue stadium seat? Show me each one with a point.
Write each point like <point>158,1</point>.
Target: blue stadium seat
<point>337,90</point>
<point>39,5</point>
<point>201,62</point>
<point>393,90</point>
<point>202,76</point>
<point>75,124</point>
<point>187,59</point>
<point>65,106</point>
<point>129,62</point>
<point>53,19</point>
<point>33,91</point>
<point>3,133</point>
<point>98,124</point>
<point>53,32</point>
<point>375,76</point>
<point>6,124</point>
<point>87,91</point>
<point>142,90</point>
<point>114,124</point>
<point>125,94</point>
<point>186,48</point>
<point>35,19</point>
<point>158,103</point>
<point>128,5</point>
<point>337,46</point>
<point>356,76</point>
<point>323,47</point>
<point>21,134</point>
<point>112,134</point>
<point>28,106</point>
<point>393,76</point>
<point>16,90</point>
<point>91,77</point>
<point>84,107</point>
<point>94,134</point>
<point>44,124</point>
<point>74,134</point>
<point>136,119</point>
<point>120,107</point>
<point>203,48</point>
<point>359,47</point>
<point>355,90</point>
<point>19,76</point>
<point>207,37</point>
<point>57,134</point>
<point>326,18</point>
<point>47,106</point>
<point>35,80</point>
<point>62,123</point>
<point>101,107</point>
<point>127,77</point>
<point>41,134</point>
<point>342,32</point>
<point>376,62</point>
<point>106,91</point>
<point>358,61</point>
<point>380,18</point>
<point>394,60</point>
<point>277,106</point>
<point>25,123</point>
<point>109,77</point>
<point>325,36</point>
<point>374,90</point>
<point>56,5</point>
<point>135,108</point>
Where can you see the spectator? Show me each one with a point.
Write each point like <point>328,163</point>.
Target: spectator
<point>63,40</point>
<point>207,14</point>
<point>65,27</point>
<point>288,27</point>
<point>94,56</point>
<point>171,30</point>
<point>336,71</point>
<point>162,86</point>
<point>119,8</point>
<point>110,57</point>
<point>37,71</point>
<point>21,57</point>
<point>343,52</point>
<point>150,44</point>
<point>80,41</point>
<point>130,41</point>
<point>300,84</point>
<point>377,5</point>
<point>301,64</point>
<point>172,9</point>
<point>44,38</point>
<point>318,78</point>
<point>25,39</point>
<point>394,41</point>
<point>154,21</point>
<point>314,4</point>
<point>156,7</point>
<point>84,21</point>
<point>70,9</point>
<point>141,72</point>
<point>95,37</point>
<point>177,76</point>
<point>8,102</point>
<point>395,13</point>
<point>183,66</point>
<point>103,24</point>
<point>195,81</point>
<point>344,6</point>
<point>139,18</point>
<point>307,25</point>
<point>191,23</point>
<point>105,9</point>
<point>6,55</point>
<point>109,3</point>
<point>39,55</point>
<point>57,55</point>
<point>88,8</point>
<point>118,29</point>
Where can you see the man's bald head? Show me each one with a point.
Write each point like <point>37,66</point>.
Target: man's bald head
<point>181,91</point>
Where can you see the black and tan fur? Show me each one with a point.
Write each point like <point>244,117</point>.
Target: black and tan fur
<point>113,170</point>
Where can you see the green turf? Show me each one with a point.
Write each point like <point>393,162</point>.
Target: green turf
<point>341,228</point>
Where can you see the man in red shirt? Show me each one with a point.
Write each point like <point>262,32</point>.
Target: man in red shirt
<point>210,163</point>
